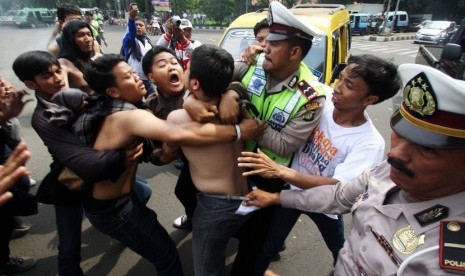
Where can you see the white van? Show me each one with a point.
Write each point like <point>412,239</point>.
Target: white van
<point>402,20</point>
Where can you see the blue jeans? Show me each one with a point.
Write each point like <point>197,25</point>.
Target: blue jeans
<point>214,223</point>
<point>131,222</point>
<point>282,223</point>
<point>142,189</point>
<point>69,224</point>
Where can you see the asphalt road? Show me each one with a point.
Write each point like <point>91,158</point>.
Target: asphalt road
<point>306,253</point>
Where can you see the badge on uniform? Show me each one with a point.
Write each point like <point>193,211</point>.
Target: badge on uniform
<point>452,246</point>
<point>256,85</point>
<point>419,96</point>
<point>406,241</point>
<point>311,108</point>
<point>431,215</point>
<point>278,119</point>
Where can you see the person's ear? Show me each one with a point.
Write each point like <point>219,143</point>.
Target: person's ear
<point>370,100</point>
<point>150,77</point>
<point>31,85</point>
<point>194,84</point>
<point>296,53</point>
<point>113,92</point>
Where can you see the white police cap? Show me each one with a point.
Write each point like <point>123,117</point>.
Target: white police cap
<point>285,25</point>
<point>432,113</point>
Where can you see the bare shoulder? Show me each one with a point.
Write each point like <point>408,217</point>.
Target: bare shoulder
<point>53,48</point>
<point>68,66</point>
<point>179,116</point>
<point>97,55</point>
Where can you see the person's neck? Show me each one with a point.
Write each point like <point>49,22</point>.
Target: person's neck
<point>168,94</point>
<point>349,118</point>
<point>212,101</point>
<point>43,95</point>
<point>284,73</point>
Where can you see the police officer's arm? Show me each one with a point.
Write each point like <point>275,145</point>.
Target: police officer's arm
<point>294,134</point>
<point>328,199</point>
<point>260,164</point>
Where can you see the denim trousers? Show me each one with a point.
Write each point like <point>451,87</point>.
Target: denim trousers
<point>282,223</point>
<point>69,225</point>
<point>134,224</point>
<point>214,223</point>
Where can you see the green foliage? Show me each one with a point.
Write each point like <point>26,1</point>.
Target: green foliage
<point>221,11</point>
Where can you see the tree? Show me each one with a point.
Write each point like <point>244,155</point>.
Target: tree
<point>218,10</point>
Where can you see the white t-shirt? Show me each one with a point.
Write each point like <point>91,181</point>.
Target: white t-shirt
<point>339,152</point>
<point>137,65</point>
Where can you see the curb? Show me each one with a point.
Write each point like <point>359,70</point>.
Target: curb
<point>209,27</point>
<point>195,27</point>
<point>390,38</point>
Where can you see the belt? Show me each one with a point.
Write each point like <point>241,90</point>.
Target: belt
<point>228,197</point>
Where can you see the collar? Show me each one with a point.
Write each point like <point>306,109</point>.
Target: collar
<point>453,202</point>
<point>284,84</point>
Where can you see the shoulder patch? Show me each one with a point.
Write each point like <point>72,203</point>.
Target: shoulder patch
<point>307,90</point>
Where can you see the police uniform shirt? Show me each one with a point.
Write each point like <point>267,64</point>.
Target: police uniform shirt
<point>365,198</point>
<point>297,130</point>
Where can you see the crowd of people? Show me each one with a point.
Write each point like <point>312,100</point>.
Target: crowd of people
<point>261,140</point>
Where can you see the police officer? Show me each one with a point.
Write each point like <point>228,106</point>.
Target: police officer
<point>408,213</point>
<point>290,99</point>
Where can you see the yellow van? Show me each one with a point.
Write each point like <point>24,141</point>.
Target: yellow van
<point>326,51</point>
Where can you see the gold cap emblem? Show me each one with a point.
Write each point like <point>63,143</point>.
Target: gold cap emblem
<point>419,96</point>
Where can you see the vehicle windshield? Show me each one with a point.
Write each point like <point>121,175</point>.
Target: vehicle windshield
<point>437,25</point>
<point>21,13</point>
<point>237,40</point>
<point>10,13</point>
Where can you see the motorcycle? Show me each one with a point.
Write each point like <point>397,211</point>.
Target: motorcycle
<point>155,27</point>
<point>111,21</point>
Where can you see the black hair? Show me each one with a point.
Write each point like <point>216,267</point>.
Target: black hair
<point>213,67</point>
<point>381,75</point>
<point>69,50</point>
<point>304,43</point>
<point>147,61</point>
<point>263,24</point>
<point>30,64</point>
<point>99,72</point>
<point>66,9</point>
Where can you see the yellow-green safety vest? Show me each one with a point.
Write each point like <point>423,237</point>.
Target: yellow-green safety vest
<point>279,108</point>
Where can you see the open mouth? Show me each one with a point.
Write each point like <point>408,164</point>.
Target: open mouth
<point>174,78</point>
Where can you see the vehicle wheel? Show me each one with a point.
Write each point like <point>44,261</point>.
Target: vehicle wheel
<point>363,32</point>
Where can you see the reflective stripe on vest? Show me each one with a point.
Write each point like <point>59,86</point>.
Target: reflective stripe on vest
<point>279,108</point>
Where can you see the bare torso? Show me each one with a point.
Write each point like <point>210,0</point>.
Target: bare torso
<point>213,167</point>
<point>112,137</point>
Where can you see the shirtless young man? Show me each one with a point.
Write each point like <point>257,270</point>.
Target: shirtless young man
<point>110,205</point>
<point>212,167</point>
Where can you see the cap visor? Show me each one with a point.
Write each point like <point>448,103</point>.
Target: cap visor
<point>277,37</point>
<point>421,136</point>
